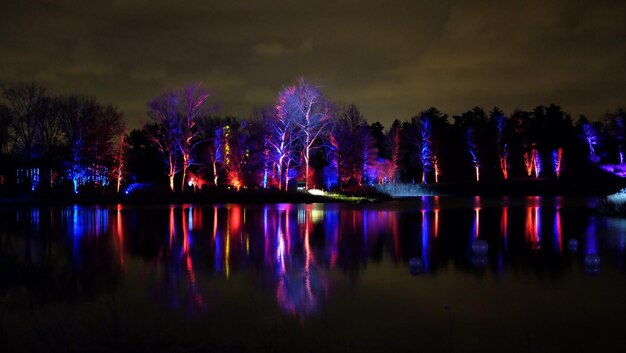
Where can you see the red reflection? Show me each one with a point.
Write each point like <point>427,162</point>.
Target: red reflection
<point>172,226</point>
<point>185,231</point>
<point>120,236</point>
<point>476,221</point>
<point>532,227</point>
<point>504,224</point>
<point>436,226</point>
<point>214,223</point>
<point>234,219</point>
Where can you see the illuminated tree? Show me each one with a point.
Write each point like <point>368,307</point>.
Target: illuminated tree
<point>262,128</point>
<point>473,123</point>
<point>497,117</point>
<point>194,104</point>
<point>119,162</point>
<point>421,138</point>
<point>165,132</point>
<point>590,136</point>
<point>305,106</point>
<point>176,114</point>
<point>284,135</point>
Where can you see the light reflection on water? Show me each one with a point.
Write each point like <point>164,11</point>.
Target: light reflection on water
<point>298,254</point>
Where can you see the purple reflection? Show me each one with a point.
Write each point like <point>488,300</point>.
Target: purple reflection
<point>558,234</point>
<point>300,284</point>
<point>425,231</point>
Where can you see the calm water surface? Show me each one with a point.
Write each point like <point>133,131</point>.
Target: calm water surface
<point>446,275</point>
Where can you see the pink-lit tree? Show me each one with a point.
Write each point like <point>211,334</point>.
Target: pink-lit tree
<point>119,162</point>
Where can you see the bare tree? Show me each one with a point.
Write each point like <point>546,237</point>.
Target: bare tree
<point>27,104</point>
<point>176,114</point>
<point>306,106</point>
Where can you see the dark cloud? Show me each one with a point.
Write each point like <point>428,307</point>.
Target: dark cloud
<point>391,58</point>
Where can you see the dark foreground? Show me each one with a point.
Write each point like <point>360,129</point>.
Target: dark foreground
<point>386,277</point>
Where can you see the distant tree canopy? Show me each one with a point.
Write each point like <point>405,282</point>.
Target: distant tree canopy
<point>302,137</point>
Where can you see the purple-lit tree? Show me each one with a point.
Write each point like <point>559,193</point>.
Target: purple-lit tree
<point>590,136</point>
<point>166,131</point>
<point>305,106</point>
<point>557,157</point>
<point>536,158</point>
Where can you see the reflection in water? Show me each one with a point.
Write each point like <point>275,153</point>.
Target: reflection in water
<point>425,230</point>
<point>297,249</point>
<point>558,232</point>
<point>533,227</point>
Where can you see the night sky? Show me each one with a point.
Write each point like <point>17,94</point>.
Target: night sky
<point>391,58</point>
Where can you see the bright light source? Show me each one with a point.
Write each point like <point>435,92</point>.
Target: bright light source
<point>317,192</point>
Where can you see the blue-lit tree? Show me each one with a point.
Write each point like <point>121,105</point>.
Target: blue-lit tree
<point>422,140</point>
<point>473,123</point>
<point>500,121</point>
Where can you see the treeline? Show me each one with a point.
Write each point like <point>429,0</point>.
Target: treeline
<point>74,142</point>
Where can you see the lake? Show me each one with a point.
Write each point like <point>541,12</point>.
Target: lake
<point>437,275</point>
